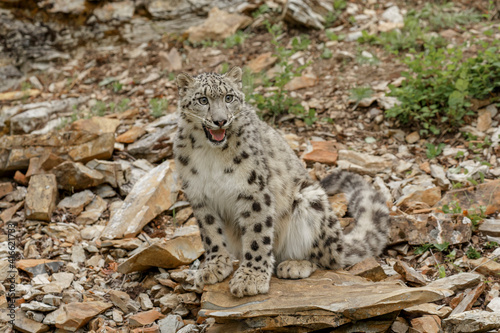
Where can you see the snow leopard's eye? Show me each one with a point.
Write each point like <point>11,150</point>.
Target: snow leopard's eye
<point>229,98</point>
<point>203,100</point>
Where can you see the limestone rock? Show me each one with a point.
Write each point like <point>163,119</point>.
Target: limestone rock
<point>8,213</point>
<point>471,198</point>
<point>490,227</point>
<point>170,324</point>
<point>25,324</point>
<point>218,26</point>
<point>112,171</point>
<point>28,121</point>
<point>429,196</point>
<point>435,228</point>
<point>428,309</point>
<point>172,60</point>
<point>117,11</point>
<point>412,137</point>
<point>494,305</point>
<point>131,135</point>
<point>144,318</point>
<point>303,81</point>
<point>322,152</point>
<point>484,122</point>
<point>471,296</point>
<point>77,202</point>
<point>364,163</point>
<point>427,324</point>
<point>308,13</point>
<point>485,266</point>
<point>5,188</point>
<point>35,267</point>
<point>154,146</point>
<point>182,249</point>
<point>471,322</point>
<point>262,62</point>
<point>76,176</point>
<point>458,281</point>
<point>93,211</point>
<point>326,299</point>
<point>409,274</point>
<point>123,301</point>
<point>150,196</point>
<point>74,315</point>
<point>369,269</point>
<point>439,174</point>
<point>41,197</point>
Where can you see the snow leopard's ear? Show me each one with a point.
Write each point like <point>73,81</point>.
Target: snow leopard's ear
<point>235,75</point>
<point>183,82</point>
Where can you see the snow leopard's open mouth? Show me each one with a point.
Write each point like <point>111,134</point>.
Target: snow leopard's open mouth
<point>215,135</point>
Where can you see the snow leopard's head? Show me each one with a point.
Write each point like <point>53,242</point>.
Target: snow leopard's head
<point>213,100</point>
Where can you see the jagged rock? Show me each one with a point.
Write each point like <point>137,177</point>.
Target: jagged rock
<point>262,62</point>
<point>15,95</point>
<point>322,152</point>
<point>218,26</point>
<point>429,196</point>
<point>92,232</point>
<point>428,309</point>
<point>37,306</point>
<point>41,197</point>
<point>74,315</point>
<point>172,60</point>
<point>409,274</point>
<point>150,196</point>
<point>66,231</point>
<point>144,318</point>
<point>494,305</point>
<point>458,281</point>
<point>131,135</point>
<point>320,301</point>
<point>93,211</point>
<point>5,188</point>
<point>74,7</point>
<point>437,171</point>
<point>24,324</point>
<point>29,121</point>
<point>182,249</point>
<point>490,227</point>
<point>35,267</point>
<point>308,13</point>
<point>470,297</point>
<point>77,202</point>
<point>393,14</point>
<point>412,137</point>
<point>154,146</point>
<point>471,198</point>
<point>170,324</point>
<point>76,176</point>
<point>485,266</point>
<point>112,171</point>
<point>427,324</point>
<point>145,301</point>
<point>8,213</point>
<point>471,322</point>
<point>432,228</point>
<point>369,269</point>
<point>303,81</point>
<point>118,11</point>
<point>484,121</point>
<point>364,163</point>
<point>123,301</point>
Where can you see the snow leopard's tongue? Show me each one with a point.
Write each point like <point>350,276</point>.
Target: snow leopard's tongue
<point>217,135</point>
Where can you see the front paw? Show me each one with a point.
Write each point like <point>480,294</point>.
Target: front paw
<point>295,269</point>
<point>248,282</point>
<point>214,271</point>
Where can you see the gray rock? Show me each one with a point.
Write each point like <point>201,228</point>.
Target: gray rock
<point>73,7</point>
<point>472,321</point>
<point>437,171</point>
<point>9,77</point>
<point>115,11</point>
<point>145,302</point>
<point>494,305</point>
<point>78,255</point>
<point>393,14</point>
<point>37,306</point>
<point>170,324</point>
<point>458,282</point>
<point>353,36</point>
<point>77,202</point>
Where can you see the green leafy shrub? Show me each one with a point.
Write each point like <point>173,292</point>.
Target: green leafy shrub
<point>440,84</point>
<point>158,107</point>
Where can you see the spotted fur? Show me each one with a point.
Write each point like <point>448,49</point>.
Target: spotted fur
<point>254,199</point>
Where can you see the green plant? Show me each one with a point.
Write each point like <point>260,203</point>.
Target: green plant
<point>261,10</point>
<point>117,86</point>
<point>99,109</point>
<point>333,16</point>
<point>310,118</point>
<point>158,107</point>
<point>277,101</point>
<point>472,253</point>
<point>327,53</point>
<point>491,245</point>
<point>452,208</point>
<point>434,151</point>
<point>359,93</point>
<point>476,215</point>
<point>445,16</point>
<point>427,247</point>
<point>439,85</point>
<point>235,40</point>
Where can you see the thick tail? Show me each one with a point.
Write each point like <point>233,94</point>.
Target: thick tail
<point>368,207</point>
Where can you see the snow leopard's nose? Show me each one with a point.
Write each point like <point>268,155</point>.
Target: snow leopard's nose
<point>220,123</point>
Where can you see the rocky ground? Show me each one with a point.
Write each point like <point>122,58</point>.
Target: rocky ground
<point>96,235</point>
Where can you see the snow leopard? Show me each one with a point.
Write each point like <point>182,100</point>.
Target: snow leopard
<point>253,198</point>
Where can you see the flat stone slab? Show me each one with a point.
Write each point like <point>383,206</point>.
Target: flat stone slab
<point>326,299</point>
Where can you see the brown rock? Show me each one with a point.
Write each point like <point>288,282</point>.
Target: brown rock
<point>429,196</point>
<point>428,309</point>
<point>77,202</point>
<point>218,26</point>
<point>93,211</point>
<point>123,301</point>
<point>48,160</point>
<point>20,178</point>
<point>300,82</point>
<point>323,152</point>
<point>26,325</point>
<point>41,197</point>
<point>151,195</point>
<point>172,61</point>
<point>262,62</point>
<point>96,125</point>
<point>152,329</point>
<point>433,228</point>
<point>471,322</point>
<point>400,325</point>
<point>485,266</point>
<point>15,95</point>
<point>35,267</point>
<point>425,167</point>
<point>409,274</point>
<point>427,324</point>
<point>144,318</point>
<point>184,248</point>
<point>471,198</point>
<point>364,164</point>
<point>484,121</point>
<point>5,188</point>
<point>17,150</point>
<point>412,137</point>
<point>131,135</point>
<point>490,227</point>
<point>326,299</point>
<point>112,171</point>
<point>369,269</point>
<point>7,214</point>
<point>76,176</point>
<point>458,281</point>
<point>471,296</point>
<point>74,315</point>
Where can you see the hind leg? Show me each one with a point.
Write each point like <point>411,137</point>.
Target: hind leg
<point>308,241</point>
